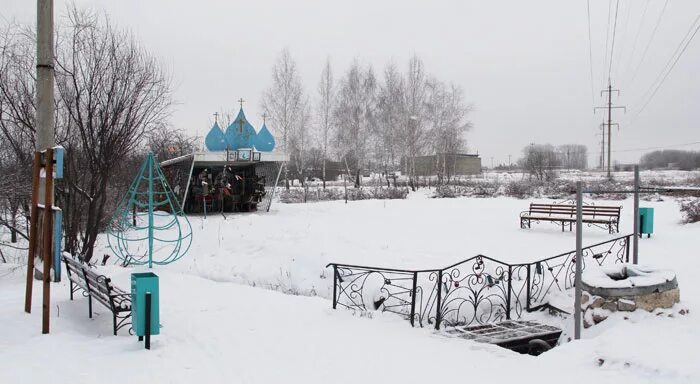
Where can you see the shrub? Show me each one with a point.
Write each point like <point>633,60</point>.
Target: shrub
<point>691,211</point>
<point>298,195</point>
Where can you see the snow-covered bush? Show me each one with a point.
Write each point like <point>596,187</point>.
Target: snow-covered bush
<point>691,211</point>
<point>521,189</point>
<point>299,195</point>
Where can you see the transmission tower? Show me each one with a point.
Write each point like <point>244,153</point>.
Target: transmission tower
<point>609,123</point>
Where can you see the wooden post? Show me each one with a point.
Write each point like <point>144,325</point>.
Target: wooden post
<point>34,216</point>
<point>47,239</point>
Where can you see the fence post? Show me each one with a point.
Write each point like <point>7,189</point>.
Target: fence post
<point>438,310</point>
<point>413,298</point>
<point>527,287</point>
<point>335,285</point>
<point>510,281</point>
<point>579,262</point>
<point>627,249</point>
<point>635,249</point>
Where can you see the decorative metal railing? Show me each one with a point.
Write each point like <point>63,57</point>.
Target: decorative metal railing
<point>477,290</point>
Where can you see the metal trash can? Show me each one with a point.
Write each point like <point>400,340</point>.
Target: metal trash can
<point>646,221</point>
<point>142,283</point>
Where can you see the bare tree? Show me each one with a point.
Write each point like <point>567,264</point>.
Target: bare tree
<point>17,112</point>
<point>354,114</point>
<point>391,110</point>
<point>414,129</point>
<point>326,104</point>
<point>299,143</point>
<point>283,102</point>
<point>445,115</point>
<point>113,93</point>
<point>169,142</point>
<point>541,161</point>
<point>573,156</point>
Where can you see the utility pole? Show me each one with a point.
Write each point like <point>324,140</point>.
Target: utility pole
<point>602,146</point>
<point>44,142</point>
<point>609,124</point>
<point>44,80</point>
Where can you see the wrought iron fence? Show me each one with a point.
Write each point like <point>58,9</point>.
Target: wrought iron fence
<point>477,290</point>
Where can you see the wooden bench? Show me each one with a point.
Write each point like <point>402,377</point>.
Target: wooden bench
<point>100,288</point>
<point>607,217</point>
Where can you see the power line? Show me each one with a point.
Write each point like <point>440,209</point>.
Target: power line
<point>671,63</point>
<point>651,38</point>
<point>654,148</point>
<point>636,37</point>
<point>590,50</point>
<point>612,49</point>
<point>607,40</point>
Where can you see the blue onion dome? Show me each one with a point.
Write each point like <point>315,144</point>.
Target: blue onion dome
<point>264,141</point>
<point>215,139</point>
<point>240,133</point>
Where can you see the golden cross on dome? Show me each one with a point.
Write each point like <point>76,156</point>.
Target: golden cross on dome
<point>241,101</point>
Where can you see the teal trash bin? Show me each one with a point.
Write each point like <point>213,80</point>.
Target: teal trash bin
<point>141,283</point>
<point>646,221</point>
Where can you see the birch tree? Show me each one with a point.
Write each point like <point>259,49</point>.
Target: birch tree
<point>391,110</point>
<point>414,120</point>
<point>283,102</point>
<point>326,104</point>
<point>354,114</point>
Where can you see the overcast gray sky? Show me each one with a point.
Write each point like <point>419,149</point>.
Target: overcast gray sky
<point>523,65</point>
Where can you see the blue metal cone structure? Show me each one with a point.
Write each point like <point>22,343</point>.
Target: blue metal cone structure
<point>149,219</point>
<point>215,140</point>
<point>240,134</point>
<point>264,141</point>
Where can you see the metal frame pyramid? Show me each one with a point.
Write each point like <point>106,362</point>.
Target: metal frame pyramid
<point>134,221</point>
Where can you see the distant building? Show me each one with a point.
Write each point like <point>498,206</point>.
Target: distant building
<point>449,164</point>
<point>333,170</point>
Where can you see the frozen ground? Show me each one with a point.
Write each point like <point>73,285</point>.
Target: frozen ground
<point>216,329</point>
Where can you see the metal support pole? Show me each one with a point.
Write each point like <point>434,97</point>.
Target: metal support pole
<point>413,298</point>
<point>527,288</point>
<point>635,242</point>
<point>438,310</point>
<point>510,288</point>
<point>579,262</point>
<point>150,210</point>
<point>148,320</point>
<point>335,286</point>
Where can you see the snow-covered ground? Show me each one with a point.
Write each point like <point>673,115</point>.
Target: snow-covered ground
<point>216,329</point>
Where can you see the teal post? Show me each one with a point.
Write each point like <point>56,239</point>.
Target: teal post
<point>150,210</point>
<point>141,283</point>
<point>57,220</point>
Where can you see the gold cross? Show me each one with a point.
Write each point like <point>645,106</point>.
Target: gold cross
<point>241,101</point>
<point>264,117</point>
<point>216,116</point>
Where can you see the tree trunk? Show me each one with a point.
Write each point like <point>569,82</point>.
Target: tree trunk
<point>324,174</point>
